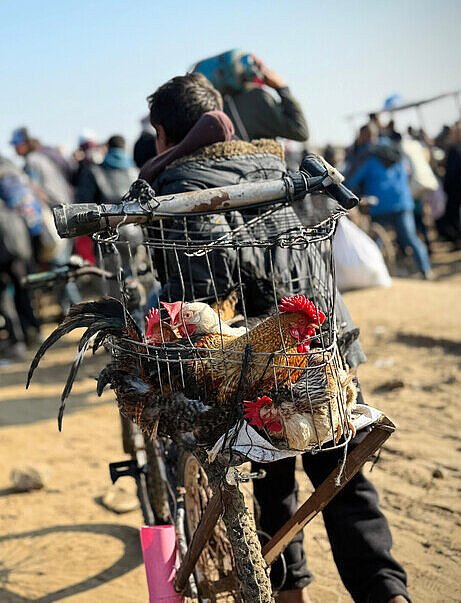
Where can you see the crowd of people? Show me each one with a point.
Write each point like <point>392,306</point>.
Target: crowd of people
<point>198,136</point>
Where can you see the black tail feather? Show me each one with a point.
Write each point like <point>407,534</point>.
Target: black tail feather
<point>102,318</point>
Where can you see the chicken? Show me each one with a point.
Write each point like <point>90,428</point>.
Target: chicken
<point>143,391</point>
<point>197,384</point>
<point>311,411</point>
<point>198,318</point>
<point>243,365</point>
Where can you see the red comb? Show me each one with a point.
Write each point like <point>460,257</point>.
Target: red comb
<point>253,410</point>
<point>173,310</point>
<point>300,303</point>
<point>153,318</point>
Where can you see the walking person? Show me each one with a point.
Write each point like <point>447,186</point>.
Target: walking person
<point>243,79</point>
<point>379,170</point>
<point>47,168</point>
<point>197,149</point>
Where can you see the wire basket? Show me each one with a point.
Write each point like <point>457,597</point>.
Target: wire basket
<point>270,360</point>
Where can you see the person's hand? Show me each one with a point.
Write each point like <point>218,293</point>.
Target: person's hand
<point>271,78</point>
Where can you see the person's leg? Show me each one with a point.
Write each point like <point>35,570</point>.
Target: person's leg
<point>276,496</point>
<point>17,270</point>
<point>404,223</point>
<point>359,533</point>
<point>70,295</point>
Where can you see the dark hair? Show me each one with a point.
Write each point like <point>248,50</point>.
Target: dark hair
<point>180,103</point>
<point>116,142</point>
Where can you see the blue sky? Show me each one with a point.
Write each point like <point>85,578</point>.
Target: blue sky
<point>67,65</point>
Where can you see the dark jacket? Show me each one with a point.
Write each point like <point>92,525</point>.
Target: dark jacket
<point>195,277</point>
<point>108,182</point>
<point>144,148</point>
<point>452,180</point>
<point>263,116</point>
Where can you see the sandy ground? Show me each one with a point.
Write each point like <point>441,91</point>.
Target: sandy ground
<point>60,544</point>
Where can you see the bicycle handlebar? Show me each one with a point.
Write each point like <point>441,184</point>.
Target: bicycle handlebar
<point>63,274</point>
<point>140,205</point>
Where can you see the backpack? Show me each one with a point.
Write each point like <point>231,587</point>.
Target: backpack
<point>229,71</point>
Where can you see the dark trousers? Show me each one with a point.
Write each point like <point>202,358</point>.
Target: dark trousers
<point>359,534</point>
<point>13,272</point>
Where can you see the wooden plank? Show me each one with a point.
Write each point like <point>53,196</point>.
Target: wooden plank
<point>201,536</point>
<point>328,489</point>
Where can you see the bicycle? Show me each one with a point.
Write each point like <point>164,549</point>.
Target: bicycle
<point>194,502</point>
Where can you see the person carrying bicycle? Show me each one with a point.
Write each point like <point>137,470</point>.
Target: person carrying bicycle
<point>198,149</point>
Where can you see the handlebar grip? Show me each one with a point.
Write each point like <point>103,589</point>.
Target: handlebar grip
<point>76,220</point>
<point>39,279</point>
<point>342,194</point>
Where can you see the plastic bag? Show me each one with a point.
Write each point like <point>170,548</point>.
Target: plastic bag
<point>359,263</point>
<point>422,178</point>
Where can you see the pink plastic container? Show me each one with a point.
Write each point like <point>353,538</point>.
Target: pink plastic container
<point>159,551</point>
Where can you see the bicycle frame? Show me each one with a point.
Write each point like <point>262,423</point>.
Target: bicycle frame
<point>327,490</point>
<point>142,207</point>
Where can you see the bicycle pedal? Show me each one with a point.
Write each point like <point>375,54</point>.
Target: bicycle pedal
<point>123,468</point>
<point>236,476</point>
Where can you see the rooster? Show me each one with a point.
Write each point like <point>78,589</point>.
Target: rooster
<point>255,359</point>
<point>311,395</point>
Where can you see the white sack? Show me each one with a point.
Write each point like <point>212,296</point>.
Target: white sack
<point>359,262</point>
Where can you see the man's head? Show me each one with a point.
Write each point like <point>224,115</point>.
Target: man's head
<point>116,142</point>
<point>368,133</point>
<point>21,141</point>
<point>177,106</point>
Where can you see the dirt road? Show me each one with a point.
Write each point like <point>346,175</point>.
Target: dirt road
<point>60,544</point>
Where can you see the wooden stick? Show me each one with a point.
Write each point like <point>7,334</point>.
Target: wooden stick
<point>328,489</point>
<point>201,536</point>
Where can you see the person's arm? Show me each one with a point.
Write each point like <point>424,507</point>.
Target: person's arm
<point>285,118</point>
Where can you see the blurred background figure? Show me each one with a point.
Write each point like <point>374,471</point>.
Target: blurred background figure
<point>107,183</point>
<point>46,166</point>
<point>53,176</point>
<point>18,194</point>
<point>89,151</point>
<point>449,224</point>
<point>15,308</point>
<point>378,169</point>
<point>145,147</point>
<point>241,78</point>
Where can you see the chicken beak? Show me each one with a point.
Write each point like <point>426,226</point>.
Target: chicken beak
<point>174,311</point>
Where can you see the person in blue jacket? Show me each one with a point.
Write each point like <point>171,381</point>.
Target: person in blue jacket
<point>378,169</point>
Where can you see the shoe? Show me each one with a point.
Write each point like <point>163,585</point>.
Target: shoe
<point>17,351</point>
<point>429,275</point>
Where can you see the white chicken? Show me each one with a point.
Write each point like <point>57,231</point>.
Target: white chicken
<point>198,318</point>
